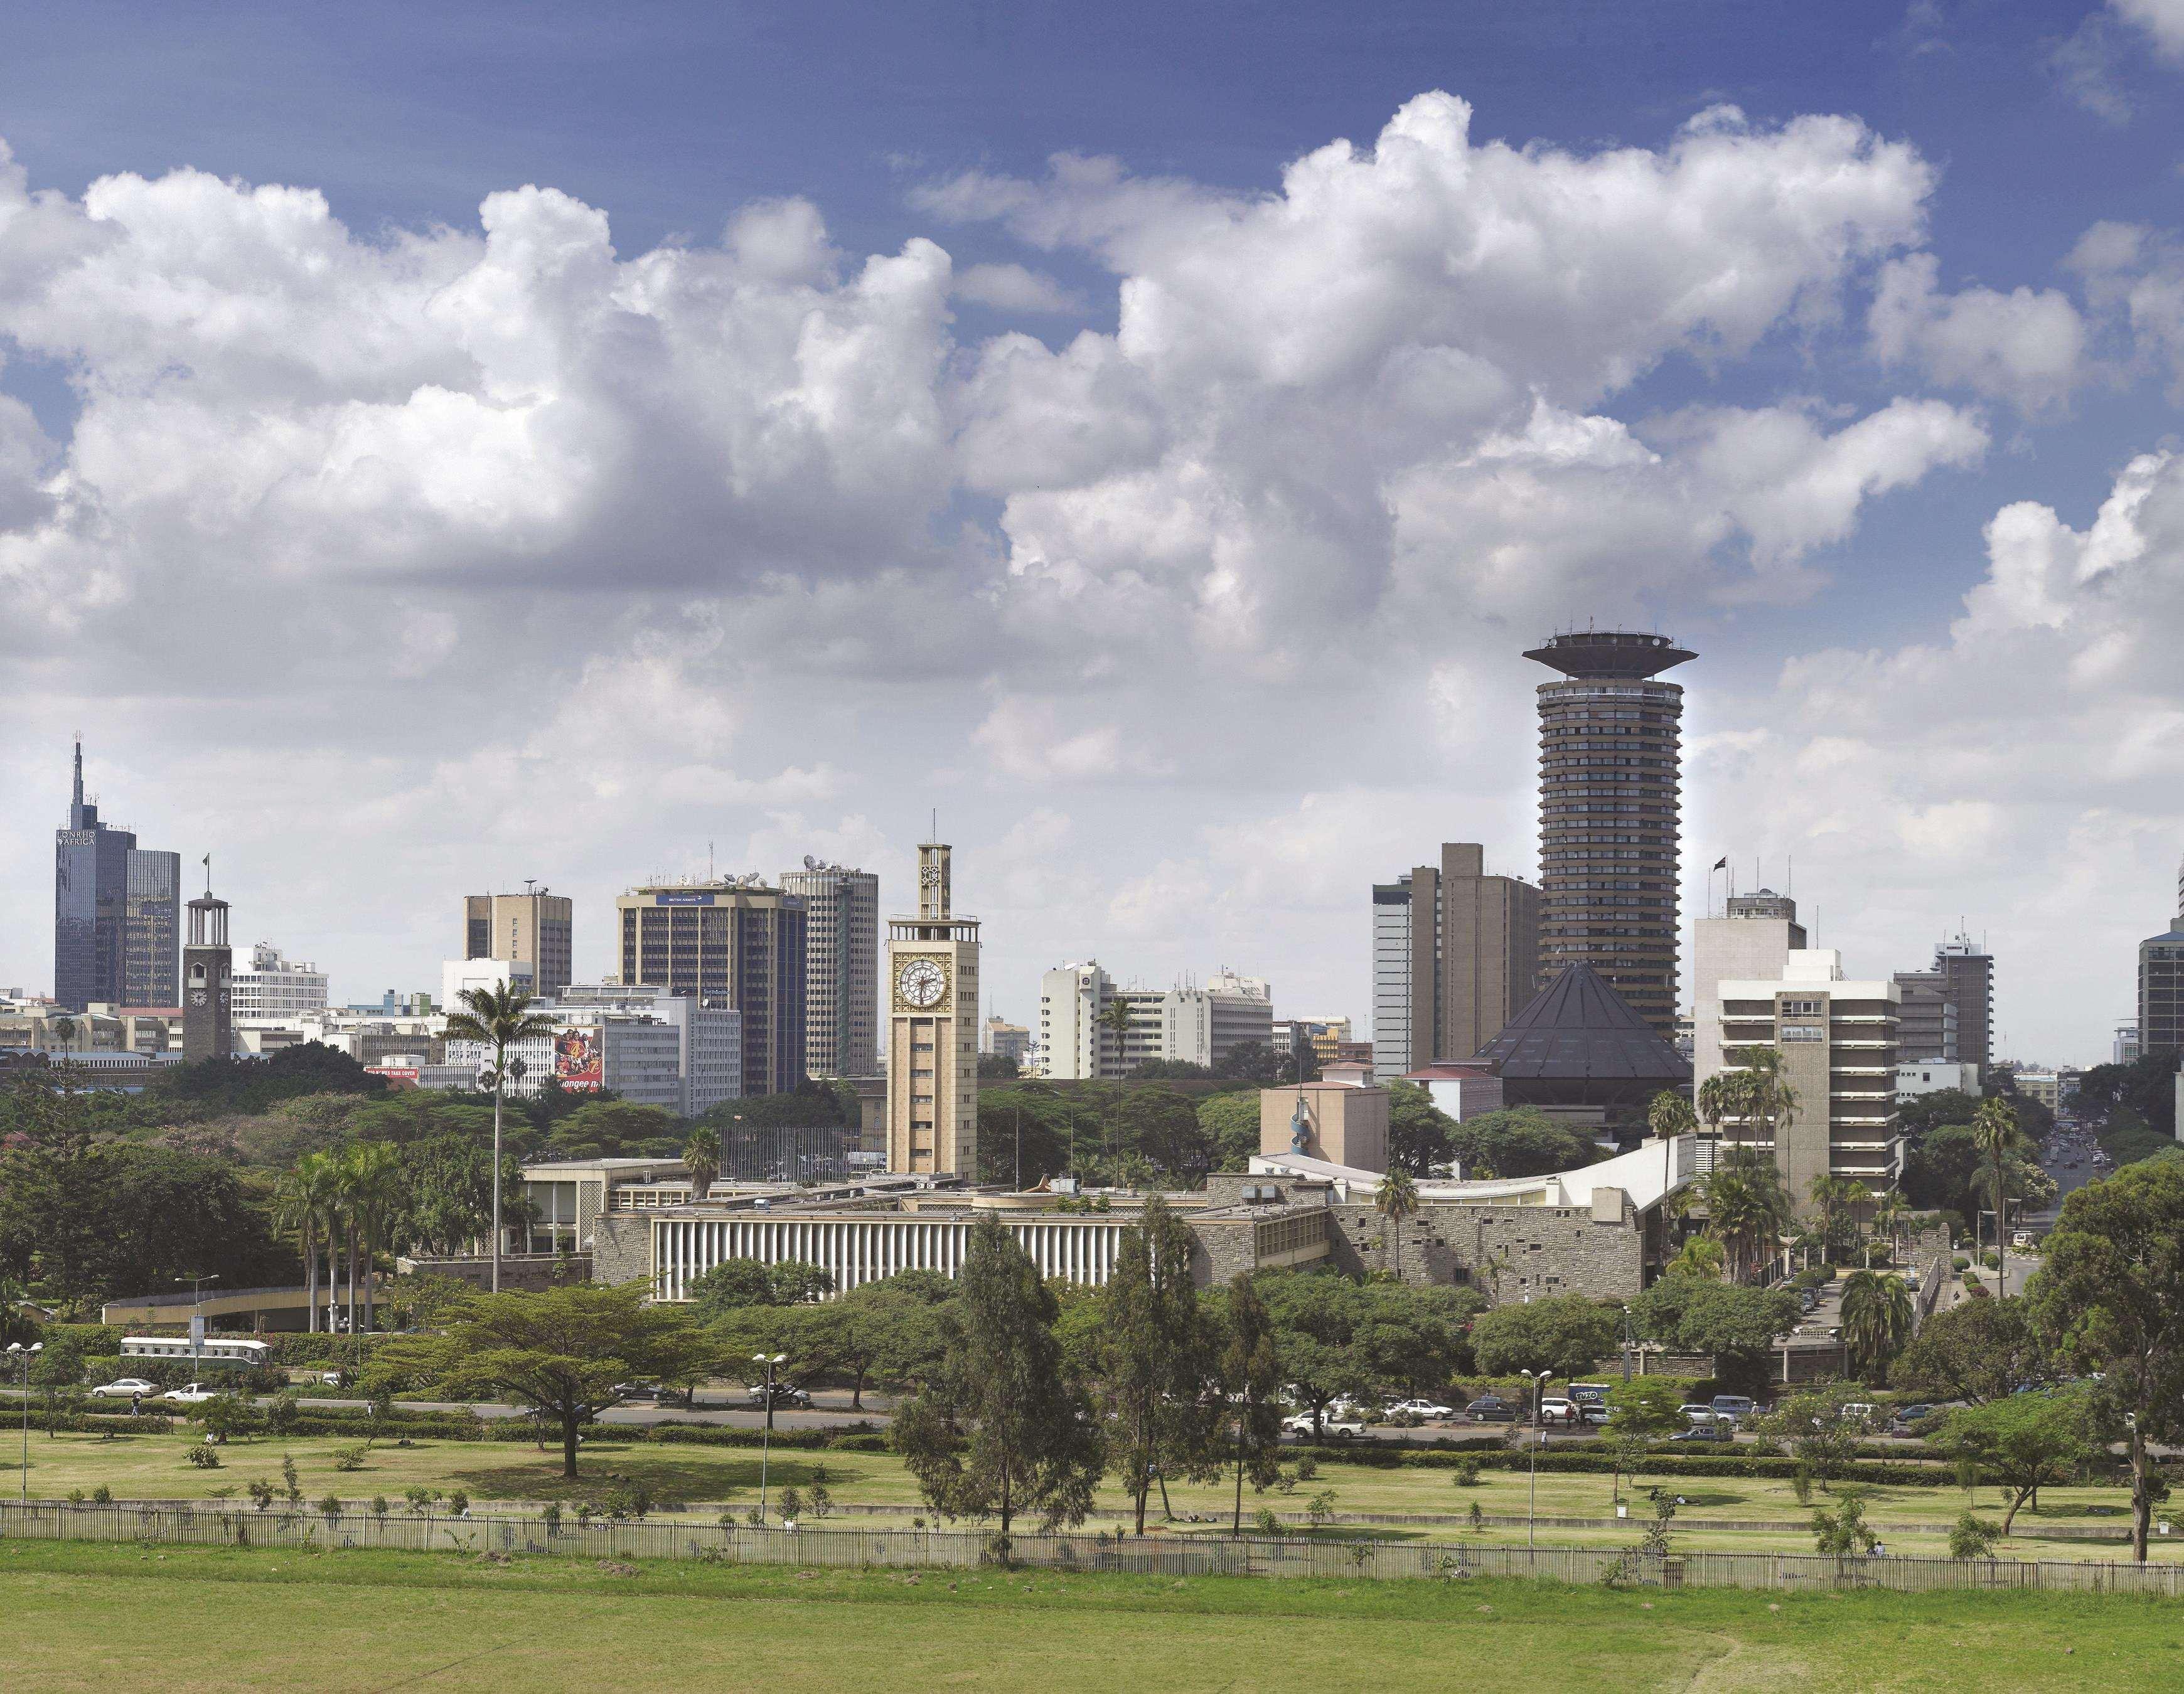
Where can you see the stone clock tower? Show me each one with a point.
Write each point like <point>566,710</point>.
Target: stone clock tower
<point>207,1020</point>
<point>932,989</point>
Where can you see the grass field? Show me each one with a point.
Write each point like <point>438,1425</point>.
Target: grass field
<point>714,1479</point>
<point>82,1617</point>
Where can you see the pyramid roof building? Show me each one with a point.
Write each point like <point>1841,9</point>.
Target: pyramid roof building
<point>1578,1031</point>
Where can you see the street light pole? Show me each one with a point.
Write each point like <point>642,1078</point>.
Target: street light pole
<point>1539,1434</point>
<point>197,1323</point>
<point>23,1357</point>
<point>765,1442</point>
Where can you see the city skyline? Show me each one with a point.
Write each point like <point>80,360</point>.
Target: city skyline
<point>1041,470</point>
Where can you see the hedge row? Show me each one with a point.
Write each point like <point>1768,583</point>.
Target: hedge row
<point>1497,1455</point>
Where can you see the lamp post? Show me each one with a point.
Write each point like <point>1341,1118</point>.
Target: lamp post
<point>1539,1380</point>
<point>197,1323</point>
<point>765,1442</point>
<point>23,1356</point>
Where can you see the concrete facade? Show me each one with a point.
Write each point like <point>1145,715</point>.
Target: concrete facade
<point>841,967</point>
<point>932,1029</point>
<point>1455,954</point>
<point>1754,941</point>
<point>1341,1123</point>
<point>535,929</point>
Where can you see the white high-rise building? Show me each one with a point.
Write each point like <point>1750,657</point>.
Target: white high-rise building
<point>1186,1025</point>
<point>1754,941</point>
<point>841,968</point>
<point>1073,1045</point>
<point>273,992</point>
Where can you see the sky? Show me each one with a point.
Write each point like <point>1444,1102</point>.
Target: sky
<point>441,446</point>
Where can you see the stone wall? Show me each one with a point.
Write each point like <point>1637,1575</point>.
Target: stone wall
<point>621,1247</point>
<point>529,1272</point>
<point>1506,1252</point>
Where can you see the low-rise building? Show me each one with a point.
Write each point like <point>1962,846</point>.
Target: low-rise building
<point>1915,1077</point>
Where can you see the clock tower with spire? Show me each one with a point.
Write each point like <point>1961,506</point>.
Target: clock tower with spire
<point>933,1030</point>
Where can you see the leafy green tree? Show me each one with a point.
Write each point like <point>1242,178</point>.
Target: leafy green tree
<point>498,1016</point>
<point>2110,1294</point>
<point>58,1370</point>
<point>1316,1317</point>
<point>2145,1088</point>
<point>1644,1410</point>
<point>1563,1334</point>
<point>1231,1123</point>
<point>1001,1429</point>
<point>1972,1536</point>
<point>1419,1133</point>
<point>1163,1126</point>
<point>1522,1140</point>
<point>561,1353</point>
<point>1701,1256</point>
<point>1255,1061</point>
<point>1157,1361</point>
<point>1977,1351</point>
<point>1817,1429</point>
<point>730,1284</point>
<point>447,1191</point>
<point>1843,1533</point>
<point>888,1331</point>
<point>2025,1441</point>
<point>1251,1388</point>
<point>1922,1114</point>
<point>1876,1321</point>
<point>1735,1326</point>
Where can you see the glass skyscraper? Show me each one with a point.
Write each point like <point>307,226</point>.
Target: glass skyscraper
<point>116,913</point>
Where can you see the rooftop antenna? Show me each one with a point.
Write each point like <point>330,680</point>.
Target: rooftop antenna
<point>709,861</point>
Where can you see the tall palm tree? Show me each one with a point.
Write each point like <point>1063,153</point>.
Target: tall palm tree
<point>374,1194</point>
<point>65,1027</point>
<point>1995,1134</point>
<point>1889,1211</point>
<point>701,1158</point>
<point>1397,1198</point>
<point>498,1017</point>
<point>1747,1206</point>
<point>300,1204</point>
<point>1701,1257</point>
<point>1876,1322</point>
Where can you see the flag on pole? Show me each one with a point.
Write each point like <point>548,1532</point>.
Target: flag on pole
<point>1722,864</point>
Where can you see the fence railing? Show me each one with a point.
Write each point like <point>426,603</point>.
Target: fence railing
<point>221,1524</point>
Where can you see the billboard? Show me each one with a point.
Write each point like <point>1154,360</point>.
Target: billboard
<point>679,898</point>
<point>580,1058</point>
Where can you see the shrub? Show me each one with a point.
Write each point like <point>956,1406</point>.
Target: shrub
<point>290,1484</point>
<point>626,1498</point>
<point>1265,1522</point>
<point>281,1416</point>
<point>420,1500</point>
<point>260,1492</point>
<point>1974,1538</point>
<point>1320,1508</point>
<point>76,1497</point>
<point>1991,1259</point>
<point>1960,1263</point>
<point>458,1502</point>
<point>552,1515</point>
<point>331,1507</point>
<point>820,1504</point>
<point>102,1496</point>
<point>204,1458</point>
<point>792,1502</point>
<point>1307,1468</point>
<point>379,1505</point>
<point>351,1458</point>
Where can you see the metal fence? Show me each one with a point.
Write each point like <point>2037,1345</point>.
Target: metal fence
<point>222,1523</point>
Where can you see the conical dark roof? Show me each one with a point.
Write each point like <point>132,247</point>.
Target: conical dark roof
<point>1577,1027</point>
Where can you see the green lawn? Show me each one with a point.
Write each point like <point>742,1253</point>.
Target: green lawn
<point>91,1617</point>
<point>713,1478</point>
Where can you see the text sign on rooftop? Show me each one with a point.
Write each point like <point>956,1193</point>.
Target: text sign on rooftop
<point>680,899</point>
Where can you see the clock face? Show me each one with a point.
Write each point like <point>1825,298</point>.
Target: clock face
<point>196,997</point>
<point>922,983</point>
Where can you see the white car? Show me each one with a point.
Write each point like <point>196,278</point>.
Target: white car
<point>1555,1409</point>
<point>125,1388</point>
<point>191,1394</point>
<point>1420,1408</point>
<point>1332,1425</point>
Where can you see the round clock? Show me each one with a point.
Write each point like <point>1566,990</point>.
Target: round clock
<point>922,983</point>
<point>196,997</point>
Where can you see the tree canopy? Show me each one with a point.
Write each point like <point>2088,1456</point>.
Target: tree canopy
<point>1563,1334</point>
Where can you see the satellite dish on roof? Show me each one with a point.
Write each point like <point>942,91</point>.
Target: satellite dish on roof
<point>810,863</point>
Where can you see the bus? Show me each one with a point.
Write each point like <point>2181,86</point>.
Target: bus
<point>226,1352</point>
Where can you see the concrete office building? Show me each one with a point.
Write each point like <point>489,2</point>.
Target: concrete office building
<point>1004,1040</point>
<point>1928,1030</point>
<point>2161,990</point>
<point>1917,1076</point>
<point>734,944</point>
<point>1837,1038</point>
<point>272,991</point>
<point>1754,939</point>
<point>533,929</point>
<point>1455,955</point>
<point>115,912</point>
<point>1189,1023</point>
<point>841,968</point>
<point>708,1048</point>
<point>1073,1045</point>
<point>2123,1048</point>
<point>650,1046</point>
<point>1967,968</point>
<point>1610,808</point>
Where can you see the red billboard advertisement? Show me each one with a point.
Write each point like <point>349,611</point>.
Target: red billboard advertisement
<point>579,1060</point>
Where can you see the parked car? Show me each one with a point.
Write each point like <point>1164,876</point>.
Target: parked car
<point>1860,1412</point>
<point>1341,1428</point>
<point>1696,1414</point>
<point>1736,1407</point>
<point>1908,1419</point>
<point>1556,1410</point>
<point>125,1388</point>
<point>793,1399</point>
<point>644,1390</point>
<point>1490,1408</point>
<point>191,1394</point>
<point>1420,1408</point>
<point>333,1378</point>
<point>1720,1430</point>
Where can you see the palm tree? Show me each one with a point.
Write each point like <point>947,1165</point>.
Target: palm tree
<point>1889,1211</point>
<point>701,1158</point>
<point>1669,1114</point>
<point>1995,1134</point>
<point>1397,1198</point>
<point>1721,1098</point>
<point>300,1204</point>
<point>375,1193</point>
<point>1747,1206</point>
<point>498,1017</point>
<point>1876,1322</point>
<point>1833,1195</point>
<point>65,1027</point>
<point>1701,1257</point>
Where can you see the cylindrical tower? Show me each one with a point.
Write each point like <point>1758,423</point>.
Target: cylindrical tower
<point>1609,804</point>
